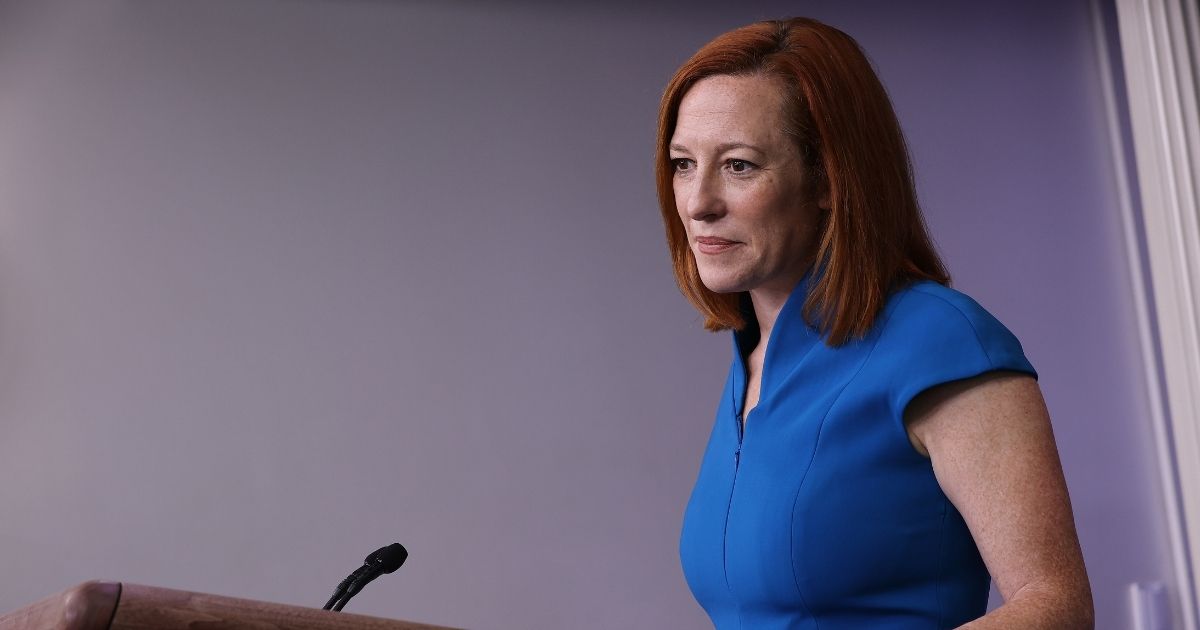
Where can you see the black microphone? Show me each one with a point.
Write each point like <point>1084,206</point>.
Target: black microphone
<point>383,560</point>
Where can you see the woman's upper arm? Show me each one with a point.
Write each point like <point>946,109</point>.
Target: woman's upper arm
<point>993,453</point>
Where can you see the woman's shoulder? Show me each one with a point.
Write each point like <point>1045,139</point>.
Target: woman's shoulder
<point>931,334</point>
<point>933,319</point>
<point>936,308</point>
<point>929,303</point>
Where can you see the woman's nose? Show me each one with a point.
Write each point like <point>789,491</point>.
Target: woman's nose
<point>706,202</point>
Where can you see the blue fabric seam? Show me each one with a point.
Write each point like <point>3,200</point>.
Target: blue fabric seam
<point>816,446</point>
<point>725,545</point>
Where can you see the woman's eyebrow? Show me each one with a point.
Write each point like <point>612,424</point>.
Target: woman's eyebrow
<point>722,148</point>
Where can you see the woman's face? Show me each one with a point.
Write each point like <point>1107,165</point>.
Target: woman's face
<point>740,186</point>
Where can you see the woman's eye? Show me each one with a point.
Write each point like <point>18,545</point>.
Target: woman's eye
<point>739,166</point>
<point>681,164</point>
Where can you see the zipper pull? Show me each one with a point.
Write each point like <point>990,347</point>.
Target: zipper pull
<point>737,456</point>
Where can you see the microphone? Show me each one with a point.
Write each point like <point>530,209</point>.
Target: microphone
<point>383,560</point>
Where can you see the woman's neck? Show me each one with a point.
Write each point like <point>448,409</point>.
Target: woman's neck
<point>767,304</point>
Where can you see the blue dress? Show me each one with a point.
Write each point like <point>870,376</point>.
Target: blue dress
<point>821,514</point>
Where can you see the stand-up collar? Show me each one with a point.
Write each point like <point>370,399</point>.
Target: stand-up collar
<point>791,339</point>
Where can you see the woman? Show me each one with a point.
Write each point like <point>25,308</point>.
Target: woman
<point>882,446</point>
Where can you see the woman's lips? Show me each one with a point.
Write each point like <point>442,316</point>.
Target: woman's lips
<point>714,245</point>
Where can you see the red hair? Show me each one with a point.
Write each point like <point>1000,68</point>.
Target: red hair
<point>873,239</point>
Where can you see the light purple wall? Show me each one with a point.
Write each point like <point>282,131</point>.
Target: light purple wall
<point>283,281</point>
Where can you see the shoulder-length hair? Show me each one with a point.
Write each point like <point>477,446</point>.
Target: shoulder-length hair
<point>873,238</point>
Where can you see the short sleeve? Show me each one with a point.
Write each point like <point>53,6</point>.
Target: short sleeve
<point>937,335</point>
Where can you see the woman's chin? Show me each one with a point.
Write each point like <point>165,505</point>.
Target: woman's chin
<point>722,284</point>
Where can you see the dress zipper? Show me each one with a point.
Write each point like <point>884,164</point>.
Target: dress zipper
<point>737,453</point>
<point>737,460</point>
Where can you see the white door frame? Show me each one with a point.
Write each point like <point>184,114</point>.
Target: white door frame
<point>1159,44</point>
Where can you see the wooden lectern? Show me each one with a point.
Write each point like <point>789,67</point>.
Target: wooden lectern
<point>113,605</point>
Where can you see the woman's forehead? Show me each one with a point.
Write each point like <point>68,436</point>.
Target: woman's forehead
<point>727,109</point>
